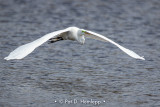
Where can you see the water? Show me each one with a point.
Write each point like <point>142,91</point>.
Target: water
<point>68,71</point>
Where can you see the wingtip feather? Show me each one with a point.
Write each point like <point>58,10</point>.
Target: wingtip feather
<point>142,58</point>
<point>6,58</point>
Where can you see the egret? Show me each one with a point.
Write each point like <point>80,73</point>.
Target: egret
<point>70,33</point>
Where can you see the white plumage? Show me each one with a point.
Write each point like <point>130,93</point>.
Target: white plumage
<point>71,33</point>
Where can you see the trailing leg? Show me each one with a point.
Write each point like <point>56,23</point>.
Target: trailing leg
<point>52,40</point>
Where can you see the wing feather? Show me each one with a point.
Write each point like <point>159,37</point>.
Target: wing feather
<point>96,36</point>
<point>26,49</point>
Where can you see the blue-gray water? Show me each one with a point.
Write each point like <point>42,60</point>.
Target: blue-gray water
<point>67,70</point>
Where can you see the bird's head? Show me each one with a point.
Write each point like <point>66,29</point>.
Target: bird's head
<point>83,32</point>
<point>81,38</point>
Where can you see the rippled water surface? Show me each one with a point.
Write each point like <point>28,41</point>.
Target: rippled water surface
<point>62,73</point>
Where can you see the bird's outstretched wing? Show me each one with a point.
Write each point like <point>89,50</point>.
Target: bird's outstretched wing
<point>26,49</point>
<point>96,36</point>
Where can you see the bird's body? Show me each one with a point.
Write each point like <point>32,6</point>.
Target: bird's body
<point>70,33</point>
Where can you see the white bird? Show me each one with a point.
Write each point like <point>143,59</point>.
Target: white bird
<point>70,33</point>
